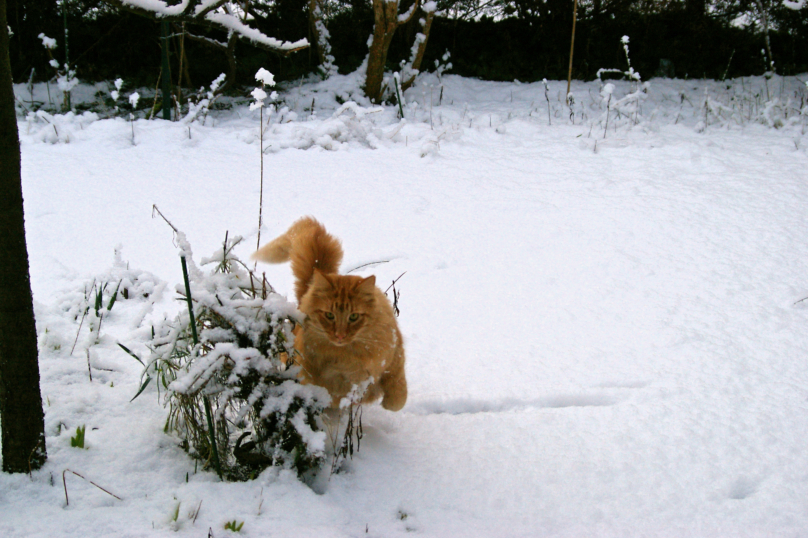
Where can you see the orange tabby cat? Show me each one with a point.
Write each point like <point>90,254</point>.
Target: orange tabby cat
<point>350,333</point>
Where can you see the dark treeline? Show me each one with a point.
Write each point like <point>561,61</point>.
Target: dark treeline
<point>502,40</point>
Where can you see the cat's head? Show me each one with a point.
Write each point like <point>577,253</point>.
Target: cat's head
<point>339,306</point>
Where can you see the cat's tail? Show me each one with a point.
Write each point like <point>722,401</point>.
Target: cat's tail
<point>309,246</point>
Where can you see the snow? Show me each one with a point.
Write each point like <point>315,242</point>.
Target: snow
<point>605,333</point>
<point>47,42</point>
<point>265,77</point>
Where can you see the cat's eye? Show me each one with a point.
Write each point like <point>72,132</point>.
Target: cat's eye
<point>353,317</point>
<point>329,316</point>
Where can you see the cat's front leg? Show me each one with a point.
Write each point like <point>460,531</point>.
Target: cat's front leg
<point>394,387</point>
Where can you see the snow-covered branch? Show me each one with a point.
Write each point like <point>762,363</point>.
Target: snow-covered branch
<point>209,13</point>
<point>404,18</point>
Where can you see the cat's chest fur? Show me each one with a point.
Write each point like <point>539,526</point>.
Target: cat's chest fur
<point>354,362</point>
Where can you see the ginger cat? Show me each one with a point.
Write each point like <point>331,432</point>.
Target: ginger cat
<point>350,333</point>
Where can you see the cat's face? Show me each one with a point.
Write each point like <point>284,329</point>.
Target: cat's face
<point>339,306</point>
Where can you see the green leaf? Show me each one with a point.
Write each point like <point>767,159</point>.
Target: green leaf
<point>130,352</point>
<point>78,440</point>
<point>142,388</point>
<point>114,296</point>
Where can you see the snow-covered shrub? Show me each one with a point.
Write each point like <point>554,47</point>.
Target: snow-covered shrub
<point>350,123</point>
<point>116,93</point>
<point>243,366</point>
<point>57,128</point>
<point>77,316</point>
<point>65,77</point>
<point>204,100</point>
<point>627,109</point>
<point>730,105</point>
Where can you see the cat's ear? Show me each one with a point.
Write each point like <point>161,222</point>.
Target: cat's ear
<point>367,285</point>
<point>321,281</point>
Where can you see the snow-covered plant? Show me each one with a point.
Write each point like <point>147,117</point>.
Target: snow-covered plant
<point>65,77</point>
<point>629,105</point>
<point>134,97</point>
<point>259,94</point>
<point>547,98</point>
<point>58,128</point>
<point>713,112</point>
<point>116,93</point>
<point>243,365</point>
<point>83,310</point>
<point>204,101</point>
<point>727,106</point>
<point>440,66</point>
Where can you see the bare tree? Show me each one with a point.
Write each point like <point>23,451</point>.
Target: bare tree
<point>23,425</point>
<point>225,15</point>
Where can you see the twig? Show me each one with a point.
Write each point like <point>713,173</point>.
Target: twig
<point>398,95</point>
<point>89,369</point>
<point>394,282</point>
<point>367,265</point>
<point>64,482</point>
<point>154,209</point>
<point>31,457</point>
<point>79,331</point>
<point>154,104</point>
<point>196,514</point>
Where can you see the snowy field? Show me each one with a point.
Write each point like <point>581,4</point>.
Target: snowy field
<point>604,333</point>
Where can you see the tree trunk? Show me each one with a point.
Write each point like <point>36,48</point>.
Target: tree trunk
<point>315,16</point>
<point>23,425</point>
<point>385,22</point>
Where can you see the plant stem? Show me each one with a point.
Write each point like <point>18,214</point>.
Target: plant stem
<point>398,95</point>
<point>166,69</point>
<point>572,43</point>
<point>208,411</point>
<point>261,193</point>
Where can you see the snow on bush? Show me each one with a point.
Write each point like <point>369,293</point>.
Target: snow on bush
<point>262,416</point>
<point>57,128</point>
<point>76,320</point>
<point>204,101</point>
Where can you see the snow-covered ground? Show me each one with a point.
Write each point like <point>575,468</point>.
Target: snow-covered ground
<point>604,333</point>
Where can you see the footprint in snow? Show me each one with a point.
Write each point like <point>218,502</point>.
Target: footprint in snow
<point>742,488</point>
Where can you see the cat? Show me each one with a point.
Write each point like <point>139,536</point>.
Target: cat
<point>350,336</point>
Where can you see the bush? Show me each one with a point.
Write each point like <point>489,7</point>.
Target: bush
<point>243,366</point>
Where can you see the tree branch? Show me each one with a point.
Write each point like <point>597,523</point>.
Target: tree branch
<point>404,18</point>
<point>205,13</point>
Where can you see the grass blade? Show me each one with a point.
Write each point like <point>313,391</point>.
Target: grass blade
<point>142,388</point>
<point>130,352</point>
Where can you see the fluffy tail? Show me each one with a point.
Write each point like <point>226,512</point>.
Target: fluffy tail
<point>309,246</point>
